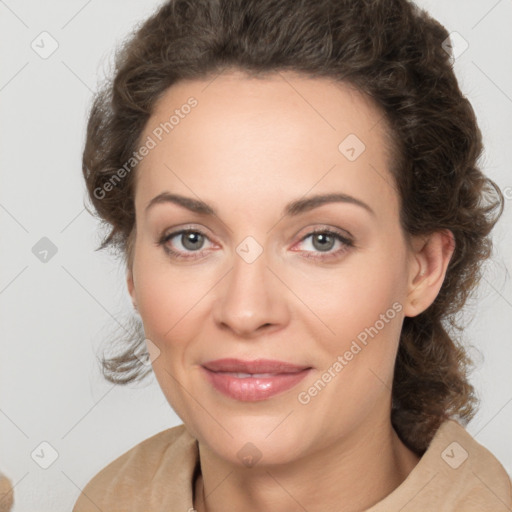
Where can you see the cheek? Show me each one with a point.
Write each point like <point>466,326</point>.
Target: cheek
<point>168,301</point>
<point>354,297</point>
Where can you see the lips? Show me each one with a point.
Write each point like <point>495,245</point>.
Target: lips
<point>253,380</point>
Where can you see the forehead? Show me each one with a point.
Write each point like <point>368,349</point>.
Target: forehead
<point>279,134</point>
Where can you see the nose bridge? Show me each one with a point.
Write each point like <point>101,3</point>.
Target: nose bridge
<point>250,297</point>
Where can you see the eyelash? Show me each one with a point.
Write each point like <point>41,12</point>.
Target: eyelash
<point>347,243</point>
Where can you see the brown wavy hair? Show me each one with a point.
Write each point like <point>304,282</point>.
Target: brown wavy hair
<point>390,50</point>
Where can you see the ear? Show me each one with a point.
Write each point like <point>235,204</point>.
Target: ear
<point>429,260</point>
<point>131,286</point>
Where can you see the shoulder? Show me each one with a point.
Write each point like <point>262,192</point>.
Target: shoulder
<point>159,468</point>
<point>455,474</point>
<point>483,482</point>
<point>6,497</point>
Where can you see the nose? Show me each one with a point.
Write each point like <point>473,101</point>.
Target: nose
<point>250,300</point>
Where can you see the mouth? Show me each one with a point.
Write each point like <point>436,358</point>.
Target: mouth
<point>251,381</point>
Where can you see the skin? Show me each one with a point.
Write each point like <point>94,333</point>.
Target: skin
<point>247,149</point>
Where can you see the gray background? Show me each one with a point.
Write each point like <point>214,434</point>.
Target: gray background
<point>55,314</point>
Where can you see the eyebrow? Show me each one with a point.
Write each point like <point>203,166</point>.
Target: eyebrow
<point>292,209</point>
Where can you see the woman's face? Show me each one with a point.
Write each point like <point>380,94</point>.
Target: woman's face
<point>294,253</point>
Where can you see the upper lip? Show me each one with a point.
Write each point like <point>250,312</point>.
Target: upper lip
<point>256,366</point>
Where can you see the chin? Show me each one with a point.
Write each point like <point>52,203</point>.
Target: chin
<point>257,441</point>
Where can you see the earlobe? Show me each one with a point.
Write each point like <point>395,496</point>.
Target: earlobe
<point>429,261</point>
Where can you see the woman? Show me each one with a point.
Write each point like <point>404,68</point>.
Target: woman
<point>294,188</point>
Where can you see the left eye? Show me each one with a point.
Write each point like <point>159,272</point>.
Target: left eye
<point>324,241</point>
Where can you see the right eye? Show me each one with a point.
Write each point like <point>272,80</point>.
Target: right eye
<point>184,244</point>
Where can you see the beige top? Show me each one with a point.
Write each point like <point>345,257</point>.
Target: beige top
<point>456,473</point>
<point>6,495</point>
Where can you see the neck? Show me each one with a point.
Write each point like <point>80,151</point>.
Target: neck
<point>357,471</point>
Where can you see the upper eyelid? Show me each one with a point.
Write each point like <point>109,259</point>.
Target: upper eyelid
<point>312,230</point>
<point>336,231</point>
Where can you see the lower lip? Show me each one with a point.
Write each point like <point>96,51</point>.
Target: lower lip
<point>252,389</point>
